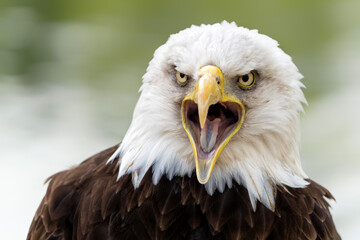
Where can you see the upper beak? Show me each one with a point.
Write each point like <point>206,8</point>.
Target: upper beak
<point>209,132</point>
<point>208,90</point>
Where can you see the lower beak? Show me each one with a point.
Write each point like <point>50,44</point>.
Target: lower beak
<point>211,118</point>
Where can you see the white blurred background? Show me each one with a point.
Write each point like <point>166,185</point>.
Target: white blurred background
<point>70,72</point>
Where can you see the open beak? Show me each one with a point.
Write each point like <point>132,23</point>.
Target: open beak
<point>211,118</point>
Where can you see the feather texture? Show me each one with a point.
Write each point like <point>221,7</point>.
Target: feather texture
<point>262,154</point>
<point>87,202</point>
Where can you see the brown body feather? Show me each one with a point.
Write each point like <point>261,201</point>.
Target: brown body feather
<point>87,202</point>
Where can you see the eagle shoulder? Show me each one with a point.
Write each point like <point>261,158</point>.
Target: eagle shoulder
<point>304,213</point>
<point>77,200</point>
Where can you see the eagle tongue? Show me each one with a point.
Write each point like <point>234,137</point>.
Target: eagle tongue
<point>209,134</point>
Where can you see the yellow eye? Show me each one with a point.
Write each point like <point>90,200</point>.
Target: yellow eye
<point>247,80</point>
<point>181,78</point>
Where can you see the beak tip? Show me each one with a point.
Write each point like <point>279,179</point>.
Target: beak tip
<point>202,179</point>
<point>202,123</point>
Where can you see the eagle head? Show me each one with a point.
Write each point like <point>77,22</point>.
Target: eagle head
<point>223,101</point>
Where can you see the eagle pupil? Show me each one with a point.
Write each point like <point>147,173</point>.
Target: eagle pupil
<point>245,78</point>
<point>182,75</point>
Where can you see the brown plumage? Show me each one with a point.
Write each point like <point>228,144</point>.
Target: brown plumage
<point>87,202</point>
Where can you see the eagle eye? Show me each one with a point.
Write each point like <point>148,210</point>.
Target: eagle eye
<point>247,80</point>
<point>181,78</point>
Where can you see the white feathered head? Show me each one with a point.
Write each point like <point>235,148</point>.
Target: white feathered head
<point>223,101</point>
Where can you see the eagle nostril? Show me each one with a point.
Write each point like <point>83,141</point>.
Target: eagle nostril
<point>217,80</point>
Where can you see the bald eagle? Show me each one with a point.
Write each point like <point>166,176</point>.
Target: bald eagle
<point>211,153</point>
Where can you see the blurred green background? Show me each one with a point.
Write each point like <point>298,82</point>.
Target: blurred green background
<point>70,72</point>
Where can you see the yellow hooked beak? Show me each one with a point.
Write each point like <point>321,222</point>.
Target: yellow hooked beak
<point>211,118</point>
<point>208,90</point>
